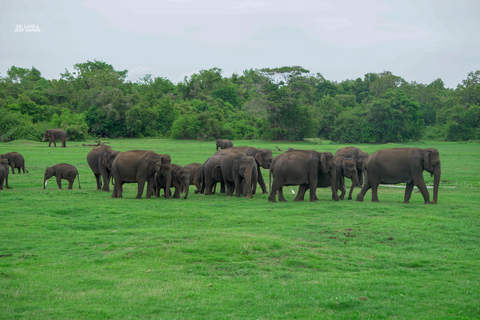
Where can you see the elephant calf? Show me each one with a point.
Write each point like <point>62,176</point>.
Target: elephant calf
<point>180,179</point>
<point>195,169</point>
<point>62,171</point>
<point>4,173</point>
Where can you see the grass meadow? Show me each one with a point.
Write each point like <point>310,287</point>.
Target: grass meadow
<point>79,254</point>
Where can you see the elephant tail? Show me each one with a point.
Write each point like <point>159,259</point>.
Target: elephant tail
<point>78,176</point>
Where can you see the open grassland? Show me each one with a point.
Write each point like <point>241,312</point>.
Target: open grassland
<point>79,254</point>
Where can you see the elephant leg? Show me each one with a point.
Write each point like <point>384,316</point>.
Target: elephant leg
<point>408,192</point>
<point>281,198</point>
<point>50,143</point>
<point>374,191</point>
<point>364,190</point>
<point>276,186</point>
<point>54,143</point>
<point>420,183</point>
<point>64,143</point>
<point>261,182</point>
<point>343,191</point>
<point>59,182</point>
<point>302,189</point>
<point>141,187</point>
<point>99,182</point>
<point>351,191</point>
<point>70,183</point>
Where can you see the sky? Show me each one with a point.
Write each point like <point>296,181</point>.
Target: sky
<point>418,40</point>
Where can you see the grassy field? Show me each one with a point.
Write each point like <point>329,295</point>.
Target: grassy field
<point>79,254</point>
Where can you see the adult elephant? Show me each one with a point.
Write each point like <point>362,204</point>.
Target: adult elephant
<point>195,169</point>
<point>4,174</point>
<point>359,157</point>
<point>15,160</point>
<point>61,171</point>
<point>307,168</point>
<point>100,159</point>
<point>180,178</point>
<point>212,174</point>
<point>224,144</point>
<point>263,157</point>
<point>239,173</point>
<point>54,134</point>
<point>139,166</point>
<point>402,165</point>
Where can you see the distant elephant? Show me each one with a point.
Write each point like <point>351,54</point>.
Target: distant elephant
<point>54,134</point>
<point>63,171</point>
<point>239,170</point>
<point>344,168</point>
<point>15,160</point>
<point>307,168</point>
<point>402,165</point>
<point>263,157</point>
<point>359,157</point>
<point>139,166</point>
<point>100,159</point>
<point>180,178</point>
<point>212,174</point>
<point>224,144</point>
<point>4,174</point>
<point>195,175</point>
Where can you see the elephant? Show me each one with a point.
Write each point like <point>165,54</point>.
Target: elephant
<point>62,171</point>
<point>344,168</point>
<point>180,178</point>
<point>263,157</point>
<point>15,160</point>
<point>100,159</point>
<point>195,175</point>
<point>308,168</point>
<point>359,157</point>
<point>224,144</point>
<point>402,165</point>
<point>211,174</point>
<point>239,170</point>
<point>4,174</point>
<point>139,166</point>
<point>53,134</point>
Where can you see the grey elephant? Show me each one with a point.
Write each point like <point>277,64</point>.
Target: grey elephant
<point>4,174</point>
<point>139,166</point>
<point>212,174</point>
<point>100,159</point>
<point>344,168</point>
<point>263,157</point>
<point>61,171</point>
<point>359,157</point>
<point>180,178</point>
<point>307,168</point>
<point>239,173</point>
<point>224,143</point>
<point>15,160</point>
<point>54,134</point>
<point>402,165</point>
<point>195,169</point>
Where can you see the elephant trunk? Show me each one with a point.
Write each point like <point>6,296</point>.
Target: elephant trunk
<point>436,183</point>
<point>186,187</point>
<point>248,183</point>
<point>355,180</point>
<point>44,183</point>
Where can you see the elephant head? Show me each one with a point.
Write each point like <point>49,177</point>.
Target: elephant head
<point>326,163</point>
<point>47,134</point>
<point>349,168</point>
<point>49,172</point>
<point>182,177</point>
<point>264,158</point>
<point>431,164</point>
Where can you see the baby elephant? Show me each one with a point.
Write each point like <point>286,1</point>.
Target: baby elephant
<point>62,171</point>
<point>4,173</point>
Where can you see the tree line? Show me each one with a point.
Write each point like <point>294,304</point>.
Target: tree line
<point>288,103</point>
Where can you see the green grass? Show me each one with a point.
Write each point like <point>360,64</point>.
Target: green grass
<point>72,254</point>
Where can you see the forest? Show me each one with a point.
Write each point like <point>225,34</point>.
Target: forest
<point>289,103</point>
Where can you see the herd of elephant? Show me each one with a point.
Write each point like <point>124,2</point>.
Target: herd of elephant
<point>238,170</point>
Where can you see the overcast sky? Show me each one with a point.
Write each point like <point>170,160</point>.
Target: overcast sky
<point>418,40</point>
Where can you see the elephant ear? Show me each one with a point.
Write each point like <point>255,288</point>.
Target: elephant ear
<point>323,161</point>
<point>259,157</point>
